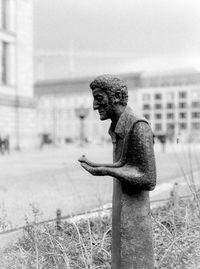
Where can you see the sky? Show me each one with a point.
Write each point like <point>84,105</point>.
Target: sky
<point>84,37</point>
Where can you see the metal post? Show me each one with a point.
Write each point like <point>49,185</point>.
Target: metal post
<point>176,198</point>
<point>82,135</point>
<point>58,219</point>
<point>17,126</point>
<point>54,119</point>
<point>82,113</point>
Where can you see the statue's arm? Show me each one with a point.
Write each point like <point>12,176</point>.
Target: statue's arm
<point>83,159</point>
<point>139,170</point>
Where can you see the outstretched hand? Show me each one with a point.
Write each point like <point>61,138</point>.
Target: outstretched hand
<point>83,159</point>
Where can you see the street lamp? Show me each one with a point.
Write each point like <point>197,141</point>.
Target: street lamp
<point>81,113</point>
<point>17,123</point>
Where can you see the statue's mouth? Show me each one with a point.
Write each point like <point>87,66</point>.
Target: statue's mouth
<point>101,113</point>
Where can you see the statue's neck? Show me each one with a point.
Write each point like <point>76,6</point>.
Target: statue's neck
<point>117,115</point>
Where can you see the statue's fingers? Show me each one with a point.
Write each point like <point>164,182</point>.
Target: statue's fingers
<point>88,162</point>
<point>81,159</point>
<point>86,166</point>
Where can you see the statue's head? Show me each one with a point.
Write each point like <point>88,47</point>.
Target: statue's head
<point>110,93</point>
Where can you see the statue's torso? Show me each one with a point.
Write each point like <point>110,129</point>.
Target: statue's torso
<point>130,212</point>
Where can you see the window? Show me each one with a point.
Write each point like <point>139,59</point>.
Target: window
<point>170,126</point>
<point>158,127</point>
<point>158,96</point>
<point>170,116</point>
<point>146,106</point>
<point>170,105</point>
<point>158,106</point>
<point>182,115</point>
<point>182,105</point>
<point>182,126</point>
<point>4,14</point>
<point>158,116</point>
<point>196,104</point>
<point>182,94</point>
<point>147,116</point>
<point>196,125</point>
<point>195,115</point>
<point>4,63</point>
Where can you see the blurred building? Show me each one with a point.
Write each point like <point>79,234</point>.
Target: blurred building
<point>17,107</point>
<point>171,102</point>
<point>57,102</point>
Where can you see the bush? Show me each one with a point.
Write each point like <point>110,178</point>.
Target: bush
<point>87,243</point>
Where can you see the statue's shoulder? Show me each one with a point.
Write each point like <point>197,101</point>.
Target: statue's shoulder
<point>134,118</point>
<point>138,127</point>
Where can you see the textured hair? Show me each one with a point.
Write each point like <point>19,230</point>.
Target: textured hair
<point>110,84</point>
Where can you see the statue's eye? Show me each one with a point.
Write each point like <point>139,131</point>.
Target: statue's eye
<point>99,98</point>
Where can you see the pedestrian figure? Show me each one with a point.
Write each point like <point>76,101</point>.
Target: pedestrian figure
<point>7,144</point>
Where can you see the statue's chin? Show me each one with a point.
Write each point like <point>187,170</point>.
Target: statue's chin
<point>103,118</point>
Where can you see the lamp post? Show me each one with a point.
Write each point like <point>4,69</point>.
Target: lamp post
<point>17,123</point>
<point>81,113</point>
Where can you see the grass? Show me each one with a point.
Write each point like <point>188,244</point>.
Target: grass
<point>5,223</point>
<point>78,245</point>
<point>177,235</point>
<point>87,243</point>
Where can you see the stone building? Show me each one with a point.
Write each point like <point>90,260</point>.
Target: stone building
<point>57,101</point>
<point>171,102</point>
<point>17,106</point>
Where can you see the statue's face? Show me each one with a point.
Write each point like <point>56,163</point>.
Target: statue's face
<point>103,104</point>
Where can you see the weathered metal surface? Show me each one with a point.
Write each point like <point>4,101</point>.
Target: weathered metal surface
<point>134,175</point>
<point>58,219</point>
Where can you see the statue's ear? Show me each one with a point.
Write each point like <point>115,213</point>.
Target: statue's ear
<point>118,96</point>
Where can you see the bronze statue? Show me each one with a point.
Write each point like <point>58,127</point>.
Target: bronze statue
<point>134,173</point>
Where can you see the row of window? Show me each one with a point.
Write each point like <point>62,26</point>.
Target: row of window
<point>182,115</point>
<point>169,82</point>
<point>7,66</point>
<point>169,95</point>
<point>4,62</point>
<point>5,24</point>
<point>158,127</point>
<point>7,15</point>
<point>7,51</point>
<point>195,104</point>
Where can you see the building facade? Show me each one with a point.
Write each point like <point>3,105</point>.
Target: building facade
<point>58,101</point>
<point>17,105</point>
<point>170,101</point>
